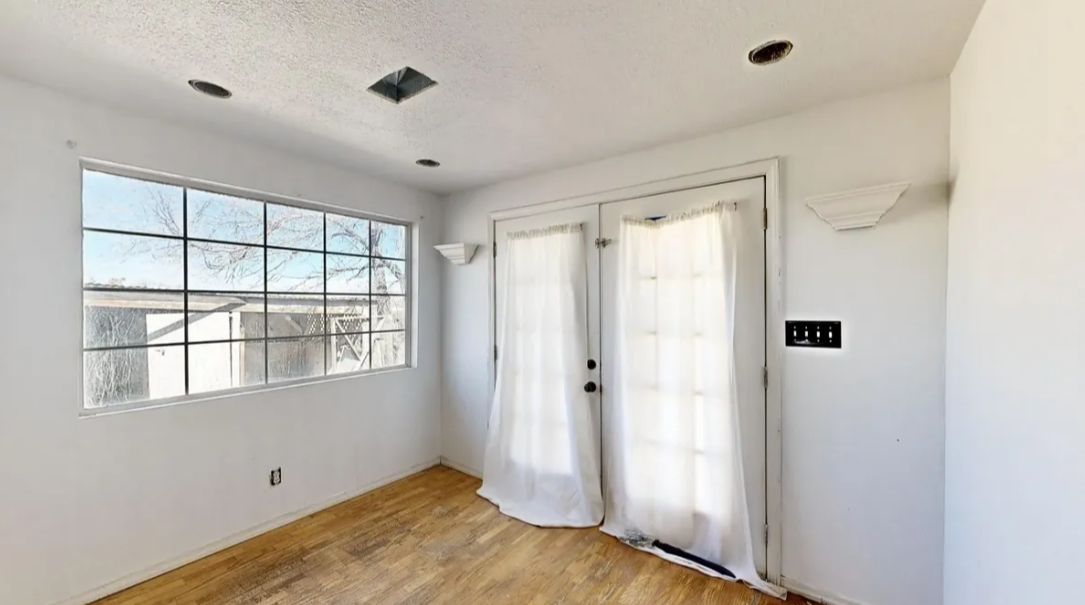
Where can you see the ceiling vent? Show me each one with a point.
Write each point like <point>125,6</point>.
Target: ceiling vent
<point>401,85</point>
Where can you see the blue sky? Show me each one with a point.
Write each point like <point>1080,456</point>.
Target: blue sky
<point>120,203</point>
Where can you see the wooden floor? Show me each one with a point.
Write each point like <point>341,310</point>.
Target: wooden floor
<point>428,539</point>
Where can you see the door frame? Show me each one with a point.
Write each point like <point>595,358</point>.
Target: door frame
<point>769,169</point>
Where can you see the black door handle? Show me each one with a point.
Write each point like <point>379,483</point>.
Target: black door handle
<point>590,387</point>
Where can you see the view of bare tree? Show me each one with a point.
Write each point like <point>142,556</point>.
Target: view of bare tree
<point>315,273</point>
<point>238,263</point>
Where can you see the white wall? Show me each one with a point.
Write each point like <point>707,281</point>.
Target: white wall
<point>84,502</point>
<point>1015,389</point>
<point>863,428</point>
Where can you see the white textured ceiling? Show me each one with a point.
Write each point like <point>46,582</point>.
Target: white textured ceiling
<point>525,85</point>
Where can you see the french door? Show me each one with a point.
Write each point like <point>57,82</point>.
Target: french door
<point>588,217</point>
<point>601,224</point>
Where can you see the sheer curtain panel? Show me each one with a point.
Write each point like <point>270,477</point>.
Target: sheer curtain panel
<point>674,455</point>
<point>540,461</point>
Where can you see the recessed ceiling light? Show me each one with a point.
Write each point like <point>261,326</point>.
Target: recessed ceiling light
<point>210,89</point>
<point>428,163</point>
<point>771,52</point>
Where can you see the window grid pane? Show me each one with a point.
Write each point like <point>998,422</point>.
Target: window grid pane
<point>236,343</point>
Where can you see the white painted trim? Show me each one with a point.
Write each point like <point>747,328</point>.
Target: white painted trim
<point>178,180</point>
<point>716,176</point>
<point>774,311</point>
<point>859,208</point>
<point>154,571</point>
<point>154,404</point>
<point>774,360</point>
<point>457,254</point>
<point>817,596</point>
<point>463,468</point>
<point>491,302</point>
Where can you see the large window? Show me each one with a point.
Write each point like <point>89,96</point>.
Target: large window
<point>188,291</point>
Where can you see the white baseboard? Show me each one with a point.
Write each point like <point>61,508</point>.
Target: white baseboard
<point>817,595</point>
<point>463,468</point>
<point>154,571</point>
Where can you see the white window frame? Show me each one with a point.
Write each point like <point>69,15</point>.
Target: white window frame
<point>265,198</point>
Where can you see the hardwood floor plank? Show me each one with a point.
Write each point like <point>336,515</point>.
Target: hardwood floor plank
<point>428,539</point>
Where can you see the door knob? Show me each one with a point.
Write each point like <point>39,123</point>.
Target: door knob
<point>590,387</point>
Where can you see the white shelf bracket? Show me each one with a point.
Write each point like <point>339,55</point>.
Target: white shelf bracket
<point>857,209</point>
<point>457,254</point>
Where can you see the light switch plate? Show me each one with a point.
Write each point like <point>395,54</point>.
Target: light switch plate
<point>813,334</point>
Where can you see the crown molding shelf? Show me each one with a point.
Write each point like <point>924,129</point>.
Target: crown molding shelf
<point>859,208</point>
<point>457,254</point>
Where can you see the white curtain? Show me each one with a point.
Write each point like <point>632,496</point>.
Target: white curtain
<point>674,454</point>
<point>541,463</point>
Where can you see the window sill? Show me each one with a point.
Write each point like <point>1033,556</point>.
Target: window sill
<point>214,395</point>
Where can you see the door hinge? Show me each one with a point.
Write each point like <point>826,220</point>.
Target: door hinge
<point>765,219</point>
<point>766,533</point>
<point>495,353</point>
<point>495,250</point>
<point>765,377</point>
<point>602,242</point>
